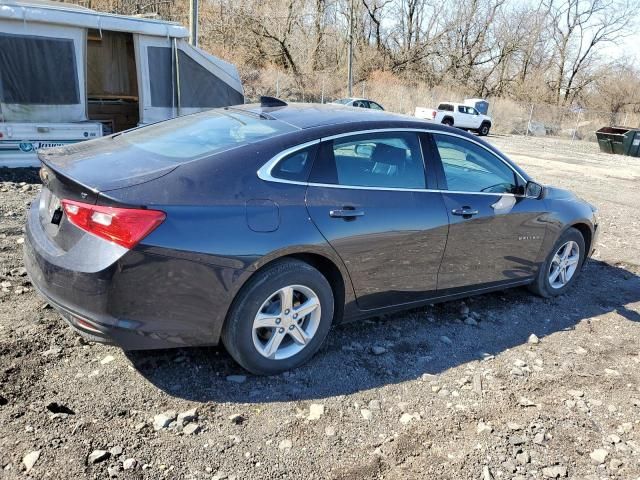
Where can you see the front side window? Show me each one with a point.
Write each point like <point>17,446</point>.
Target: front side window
<point>375,106</point>
<point>391,160</point>
<point>470,168</point>
<point>38,70</point>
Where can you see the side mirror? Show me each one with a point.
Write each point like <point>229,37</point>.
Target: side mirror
<point>533,190</point>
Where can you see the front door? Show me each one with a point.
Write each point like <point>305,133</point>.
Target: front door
<point>495,232</point>
<point>469,117</point>
<point>367,197</point>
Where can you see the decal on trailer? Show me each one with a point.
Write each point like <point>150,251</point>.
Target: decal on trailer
<point>30,147</point>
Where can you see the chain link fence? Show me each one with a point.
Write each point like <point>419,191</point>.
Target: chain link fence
<point>508,116</point>
<point>539,120</point>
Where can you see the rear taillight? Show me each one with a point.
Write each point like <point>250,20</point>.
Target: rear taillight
<point>433,114</point>
<point>124,226</point>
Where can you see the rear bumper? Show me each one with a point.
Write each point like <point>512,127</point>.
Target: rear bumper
<point>132,299</point>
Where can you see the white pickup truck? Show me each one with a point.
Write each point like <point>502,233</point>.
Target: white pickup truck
<point>457,115</point>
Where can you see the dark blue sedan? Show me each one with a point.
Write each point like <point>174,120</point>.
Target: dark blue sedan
<point>264,225</point>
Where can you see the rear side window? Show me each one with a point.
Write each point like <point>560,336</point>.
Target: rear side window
<point>470,168</point>
<point>447,107</point>
<point>295,166</point>
<point>38,70</point>
<point>391,160</point>
<point>195,135</point>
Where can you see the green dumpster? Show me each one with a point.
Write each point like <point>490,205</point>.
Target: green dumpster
<point>620,140</point>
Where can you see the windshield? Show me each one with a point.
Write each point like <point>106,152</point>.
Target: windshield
<point>204,133</point>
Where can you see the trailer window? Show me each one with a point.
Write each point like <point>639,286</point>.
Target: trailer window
<point>38,70</point>
<point>199,88</point>
<point>162,74</point>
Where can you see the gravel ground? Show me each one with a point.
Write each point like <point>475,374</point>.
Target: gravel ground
<point>504,385</point>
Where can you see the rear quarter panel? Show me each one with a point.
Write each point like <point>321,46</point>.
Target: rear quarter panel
<point>221,214</point>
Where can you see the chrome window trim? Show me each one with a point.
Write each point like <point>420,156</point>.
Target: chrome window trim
<point>264,173</point>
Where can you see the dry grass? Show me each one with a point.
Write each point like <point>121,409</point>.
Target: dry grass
<point>403,96</point>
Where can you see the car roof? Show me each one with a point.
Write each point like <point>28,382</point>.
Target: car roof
<point>309,115</point>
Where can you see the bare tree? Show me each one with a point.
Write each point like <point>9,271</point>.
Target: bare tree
<point>577,28</point>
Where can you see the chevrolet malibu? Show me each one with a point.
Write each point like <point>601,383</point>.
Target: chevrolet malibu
<point>263,225</point>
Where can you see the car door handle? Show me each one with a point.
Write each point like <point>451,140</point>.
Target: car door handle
<point>465,211</point>
<point>346,212</point>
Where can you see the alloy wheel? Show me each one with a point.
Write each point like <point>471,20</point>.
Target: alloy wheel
<point>286,322</point>
<point>564,264</point>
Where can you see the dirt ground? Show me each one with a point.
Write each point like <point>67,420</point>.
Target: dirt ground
<point>453,391</point>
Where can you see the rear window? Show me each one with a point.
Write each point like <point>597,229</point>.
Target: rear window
<point>203,133</point>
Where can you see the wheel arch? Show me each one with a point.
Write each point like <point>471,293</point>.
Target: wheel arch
<point>335,274</point>
<point>587,234</point>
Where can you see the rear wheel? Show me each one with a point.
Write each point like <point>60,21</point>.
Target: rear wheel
<point>280,318</point>
<point>562,266</point>
<point>448,121</point>
<point>483,131</point>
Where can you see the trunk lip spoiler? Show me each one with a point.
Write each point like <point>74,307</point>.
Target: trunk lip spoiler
<point>94,190</point>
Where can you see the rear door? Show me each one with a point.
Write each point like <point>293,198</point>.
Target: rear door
<point>367,196</point>
<point>495,232</point>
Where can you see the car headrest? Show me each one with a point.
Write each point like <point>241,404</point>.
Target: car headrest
<point>390,155</point>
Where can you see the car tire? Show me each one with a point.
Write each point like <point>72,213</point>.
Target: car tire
<point>483,131</point>
<point>448,122</point>
<point>265,294</point>
<point>545,285</point>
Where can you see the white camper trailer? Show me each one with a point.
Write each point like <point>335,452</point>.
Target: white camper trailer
<point>68,73</point>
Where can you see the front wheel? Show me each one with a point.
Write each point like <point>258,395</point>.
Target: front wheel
<point>483,131</point>
<point>280,318</point>
<point>562,266</point>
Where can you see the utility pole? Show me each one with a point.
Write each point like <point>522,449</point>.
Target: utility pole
<point>193,22</point>
<point>350,74</point>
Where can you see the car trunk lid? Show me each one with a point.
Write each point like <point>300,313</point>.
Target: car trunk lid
<point>104,164</point>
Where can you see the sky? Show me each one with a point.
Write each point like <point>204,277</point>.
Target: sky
<point>628,48</point>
